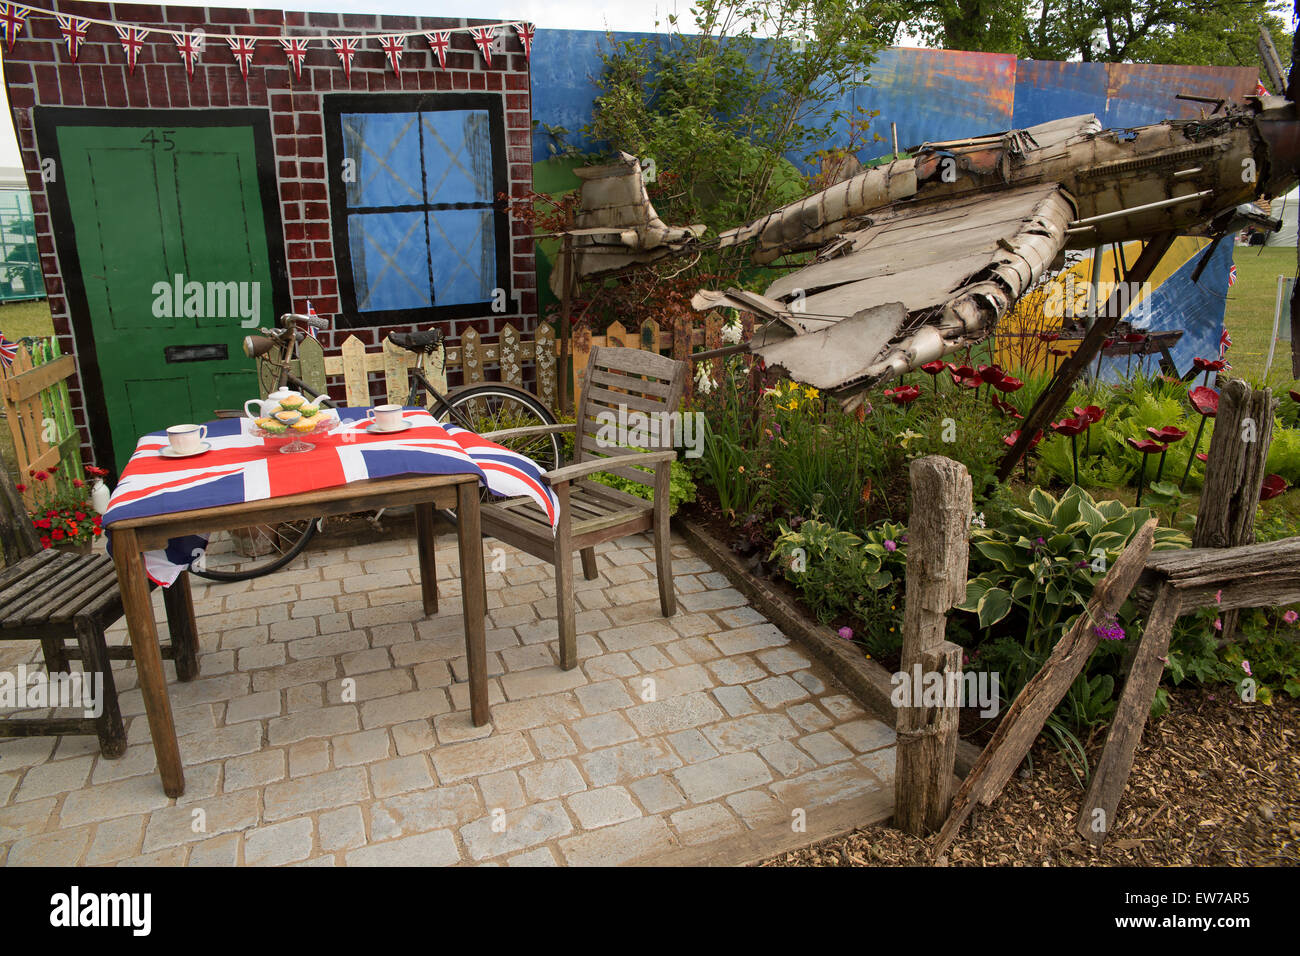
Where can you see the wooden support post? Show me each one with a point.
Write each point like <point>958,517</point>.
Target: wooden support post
<point>1036,701</point>
<point>937,553</point>
<point>1062,383</point>
<point>566,308</point>
<point>1234,473</point>
<point>1097,812</point>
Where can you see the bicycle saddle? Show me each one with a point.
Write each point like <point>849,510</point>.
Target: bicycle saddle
<point>417,341</point>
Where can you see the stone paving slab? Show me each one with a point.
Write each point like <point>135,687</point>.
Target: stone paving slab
<point>329,726</point>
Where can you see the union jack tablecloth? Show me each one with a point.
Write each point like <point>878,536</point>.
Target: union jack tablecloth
<point>241,467</point>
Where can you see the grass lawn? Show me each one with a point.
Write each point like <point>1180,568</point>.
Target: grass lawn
<point>25,318</point>
<point>1250,314</point>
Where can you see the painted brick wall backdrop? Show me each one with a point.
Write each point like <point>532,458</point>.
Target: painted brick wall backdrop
<point>40,71</point>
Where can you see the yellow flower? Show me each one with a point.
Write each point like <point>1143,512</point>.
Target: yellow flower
<point>741,469</point>
<point>793,405</point>
<point>811,392</point>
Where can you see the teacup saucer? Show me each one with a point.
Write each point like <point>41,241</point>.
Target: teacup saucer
<point>170,452</point>
<point>374,429</point>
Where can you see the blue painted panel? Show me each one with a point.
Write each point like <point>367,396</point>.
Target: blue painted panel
<point>389,260</point>
<point>1047,90</point>
<point>463,252</point>
<point>386,150</point>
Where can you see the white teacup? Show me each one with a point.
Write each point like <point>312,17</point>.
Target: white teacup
<point>386,418</point>
<point>262,407</point>
<point>187,439</point>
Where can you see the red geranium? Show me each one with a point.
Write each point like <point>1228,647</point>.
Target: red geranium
<point>96,472</point>
<point>43,524</point>
<point>1273,486</point>
<point>57,534</point>
<point>1204,400</point>
<point>78,483</point>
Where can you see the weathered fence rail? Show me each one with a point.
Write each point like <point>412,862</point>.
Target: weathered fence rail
<point>34,394</point>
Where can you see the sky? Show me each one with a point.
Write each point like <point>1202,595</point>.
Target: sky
<point>547,14</point>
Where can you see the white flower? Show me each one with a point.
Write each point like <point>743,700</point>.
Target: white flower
<point>731,333</point>
<point>977,520</point>
<point>704,382</point>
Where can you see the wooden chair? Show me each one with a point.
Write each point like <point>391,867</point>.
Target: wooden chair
<point>592,513</point>
<point>66,601</point>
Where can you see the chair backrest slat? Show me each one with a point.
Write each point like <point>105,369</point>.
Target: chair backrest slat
<point>17,535</point>
<point>630,399</point>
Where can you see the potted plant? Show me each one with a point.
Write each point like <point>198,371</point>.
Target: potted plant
<point>64,517</point>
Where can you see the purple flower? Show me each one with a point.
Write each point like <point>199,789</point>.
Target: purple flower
<point>1290,617</point>
<point>846,633</point>
<point>890,545</point>
<point>1109,630</point>
<point>1245,665</point>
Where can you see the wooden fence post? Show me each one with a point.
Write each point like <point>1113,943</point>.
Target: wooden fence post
<point>1234,473</point>
<point>937,552</point>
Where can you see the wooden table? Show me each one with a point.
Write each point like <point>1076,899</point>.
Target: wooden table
<point>133,536</point>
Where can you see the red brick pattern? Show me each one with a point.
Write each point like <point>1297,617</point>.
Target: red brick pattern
<point>40,72</point>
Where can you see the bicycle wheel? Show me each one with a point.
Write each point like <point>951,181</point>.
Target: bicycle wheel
<point>252,552</point>
<point>493,406</point>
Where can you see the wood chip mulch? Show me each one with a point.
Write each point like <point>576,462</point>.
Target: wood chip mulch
<point>1215,782</point>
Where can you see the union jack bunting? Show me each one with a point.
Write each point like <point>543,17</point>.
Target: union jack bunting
<point>239,468</point>
<point>346,48</point>
<point>12,15</point>
<point>296,49</point>
<point>440,41</point>
<point>526,33</point>
<point>483,37</point>
<point>74,31</point>
<point>393,46</point>
<point>132,39</point>
<point>190,49</point>
<point>8,351</point>
<point>242,49</point>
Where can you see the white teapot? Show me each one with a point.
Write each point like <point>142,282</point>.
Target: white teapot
<point>262,407</point>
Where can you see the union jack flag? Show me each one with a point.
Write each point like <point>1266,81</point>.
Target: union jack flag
<point>393,46</point>
<point>242,50</point>
<point>526,33</point>
<point>132,39</point>
<point>346,48</point>
<point>74,31</point>
<point>190,47</point>
<point>311,314</point>
<point>296,49</point>
<point>483,37</point>
<point>1260,89</point>
<point>239,468</point>
<point>1232,276</point>
<point>13,15</point>
<point>8,351</point>
<point>440,41</point>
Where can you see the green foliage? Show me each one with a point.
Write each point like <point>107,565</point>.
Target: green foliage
<point>1284,454</point>
<point>681,488</point>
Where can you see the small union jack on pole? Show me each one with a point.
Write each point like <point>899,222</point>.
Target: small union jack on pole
<point>132,39</point>
<point>8,351</point>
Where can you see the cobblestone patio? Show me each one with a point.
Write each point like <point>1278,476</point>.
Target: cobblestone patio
<point>330,726</point>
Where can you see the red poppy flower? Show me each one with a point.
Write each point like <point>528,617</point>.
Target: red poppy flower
<point>1135,337</point>
<point>1009,384</point>
<point>1273,486</point>
<point>1204,400</point>
<point>1005,407</point>
<point>990,374</point>
<point>1108,343</point>
<point>903,394</point>
<point>1015,437</point>
<point>1295,396</point>
<point>41,476</point>
<point>1093,413</point>
<point>1145,445</point>
<point>1049,336</point>
<point>1167,435</point>
<point>1071,426</point>
<point>20,487</point>
<point>1207,365</point>
<point>1059,352</point>
<point>1202,456</point>
<point>933,368</point>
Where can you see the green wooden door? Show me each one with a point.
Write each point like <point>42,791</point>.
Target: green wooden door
<point>173,255</point>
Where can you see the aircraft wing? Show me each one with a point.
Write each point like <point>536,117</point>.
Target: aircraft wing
<point>915,281</point>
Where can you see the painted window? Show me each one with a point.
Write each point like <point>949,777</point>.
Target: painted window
<point>417,229</point>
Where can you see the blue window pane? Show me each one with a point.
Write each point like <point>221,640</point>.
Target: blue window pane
<point>462,246</point>
<point>457,156</point>
<point>385,150</point>
<point>390,260</point>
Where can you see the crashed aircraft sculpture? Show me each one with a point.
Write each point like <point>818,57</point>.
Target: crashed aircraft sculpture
<point>921,256</point>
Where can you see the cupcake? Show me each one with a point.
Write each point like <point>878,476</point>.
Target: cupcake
<point>286,417</point>
<point>303,425</point>
<point>275,428</point>
<point>292,402</point>
<point>307,411</point>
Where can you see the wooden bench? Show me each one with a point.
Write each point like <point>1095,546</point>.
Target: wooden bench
<point>66,601</point>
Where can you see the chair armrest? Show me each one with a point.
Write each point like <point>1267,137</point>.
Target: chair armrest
<point>526,432</point>
<point>590,467</point>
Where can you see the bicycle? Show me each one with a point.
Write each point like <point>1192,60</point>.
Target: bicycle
<point>481,408</point>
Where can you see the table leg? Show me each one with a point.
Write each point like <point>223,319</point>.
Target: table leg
<point>138,611</point>
<point>424,537</point>
<point>181,627</point>
<point>473,598</point>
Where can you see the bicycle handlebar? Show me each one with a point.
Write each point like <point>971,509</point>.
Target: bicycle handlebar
<point>314,321</point>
